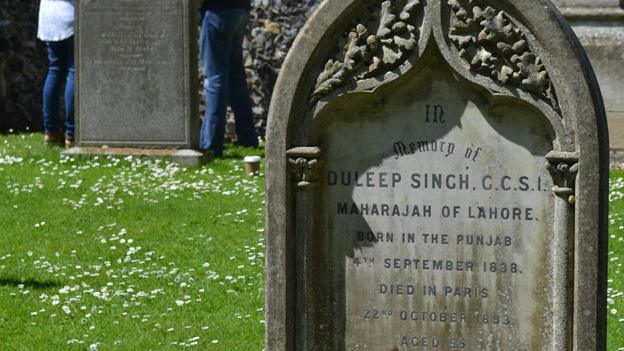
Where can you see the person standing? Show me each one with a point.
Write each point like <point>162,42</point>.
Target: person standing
<point>223,27</point>
<point>56,29</point>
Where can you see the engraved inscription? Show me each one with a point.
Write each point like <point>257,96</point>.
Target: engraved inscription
<point>436,226</point>
<point>131,42</point>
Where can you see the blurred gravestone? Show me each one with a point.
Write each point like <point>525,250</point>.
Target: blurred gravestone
<point>136,67</point>
<point>437,176</point>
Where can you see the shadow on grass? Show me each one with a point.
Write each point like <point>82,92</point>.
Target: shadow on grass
<point>29,283</point>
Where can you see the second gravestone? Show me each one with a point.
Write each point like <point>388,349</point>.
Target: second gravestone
<point>437,179</point>
<point>136,69</point>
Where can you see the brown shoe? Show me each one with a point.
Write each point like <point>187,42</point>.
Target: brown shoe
<point>51,139</point>
<point>70,141</point>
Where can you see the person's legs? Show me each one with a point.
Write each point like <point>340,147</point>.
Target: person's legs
<point>52,87</point>
<point>215,53</point>
<point>69,90</point>
<point>239,98</point>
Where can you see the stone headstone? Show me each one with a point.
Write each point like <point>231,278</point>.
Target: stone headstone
<point>436,179</point>
<point>136,73</point>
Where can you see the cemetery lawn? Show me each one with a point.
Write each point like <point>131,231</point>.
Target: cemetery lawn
<point>136,254</point>
<point>128,254</point>
<point>615,300</point>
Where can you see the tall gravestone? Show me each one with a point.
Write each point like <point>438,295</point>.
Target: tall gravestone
<point>436,180</point>
<point>136,73</point>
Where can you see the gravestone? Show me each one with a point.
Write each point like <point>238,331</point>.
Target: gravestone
<point>136,69</point>
<point>436,180</point>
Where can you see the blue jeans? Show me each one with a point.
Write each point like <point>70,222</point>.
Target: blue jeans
<point>60,71</point>
<point>221,37</point>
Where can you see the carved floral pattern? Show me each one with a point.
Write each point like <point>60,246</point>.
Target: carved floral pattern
<point>304,164</point>
<point>489,40</point>
<point>563,168</point>
<point>374,47</point>
<point>494,46</point>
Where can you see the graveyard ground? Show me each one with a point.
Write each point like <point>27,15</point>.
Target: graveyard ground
<point>130,254</point>
<point>615,300</point>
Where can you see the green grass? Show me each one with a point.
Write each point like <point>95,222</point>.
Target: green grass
<point>128,254</point>
<point>616,258</point>
<point>132,254</point>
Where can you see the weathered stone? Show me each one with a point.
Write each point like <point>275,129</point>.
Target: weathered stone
<point>600,28</point>
<point>436,179</point>
<point>274,24</point>
<point>135,73</point>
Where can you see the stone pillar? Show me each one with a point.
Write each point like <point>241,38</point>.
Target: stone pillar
<point>599,24</point>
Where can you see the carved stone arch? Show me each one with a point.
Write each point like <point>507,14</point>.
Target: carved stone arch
<point>480,40</point>
<point>382,41</point>
<point>363,99</point>
<point>487,43</point>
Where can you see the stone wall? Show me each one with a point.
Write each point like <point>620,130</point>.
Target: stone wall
<point>22,66</point>
<point>274,26</point>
